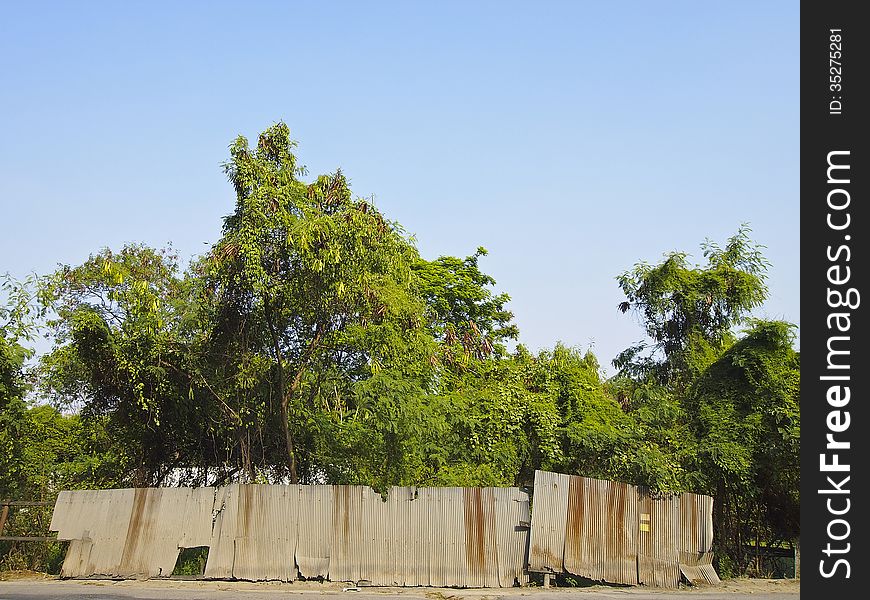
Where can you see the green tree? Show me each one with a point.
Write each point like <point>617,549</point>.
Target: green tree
<point>724,407</point>
<point>16,328</point>
<point>311,291</point>
<point>464,314</point>
<point>744,413</point>
<point>122,340</point>
<point>689,311</point>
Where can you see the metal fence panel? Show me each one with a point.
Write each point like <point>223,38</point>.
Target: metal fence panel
<point>512,535</point>
<point>616,532</point>
<point>154,532</point>
<point>658,541</point>
<point>346,536</point>
<point>196,526</point>
<point>464,537</point>
<point>549,517</point>
<point>265,536</point>
<point>222,550</point>
<point>696,539</point>
<point>99,520</point>
<point>314,534</point>
<point>601,536</point>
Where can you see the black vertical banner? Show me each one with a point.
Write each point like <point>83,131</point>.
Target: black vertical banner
<point>835,422</point>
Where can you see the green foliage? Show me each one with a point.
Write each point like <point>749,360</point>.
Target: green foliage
<point>122,332</point>
<point>688,312</point>
<point>53,452</point>
<point>15,327</point>
<point>191,562</point>
<point>744,412</point>
<point>463,313</point>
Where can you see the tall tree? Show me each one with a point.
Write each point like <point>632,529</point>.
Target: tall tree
<point>308,284</point>
<point>726,407</point>
<point>689,311</point>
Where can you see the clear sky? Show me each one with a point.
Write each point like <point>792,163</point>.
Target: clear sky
<point>571,139</point>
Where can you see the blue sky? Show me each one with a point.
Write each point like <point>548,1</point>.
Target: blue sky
<point>571,139</point>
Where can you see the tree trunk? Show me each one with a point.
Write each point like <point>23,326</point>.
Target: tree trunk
<point>287,395</point>
<point>288,439</point>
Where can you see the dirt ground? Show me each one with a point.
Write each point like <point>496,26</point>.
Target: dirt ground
<point>30,585</point>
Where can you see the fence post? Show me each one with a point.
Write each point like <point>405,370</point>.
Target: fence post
<point>797,558</point>
<point>3,516</point>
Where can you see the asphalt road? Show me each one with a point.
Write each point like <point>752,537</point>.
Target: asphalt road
<point>200,590</point>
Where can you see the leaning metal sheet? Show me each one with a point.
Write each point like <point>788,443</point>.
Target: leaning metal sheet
<point>154,532</point>
<point>696,539</point>
<point>222,547</point>
<point>549,513</point>
<point>196,526</point>
<point>99,521</point>
<point>601,538</point>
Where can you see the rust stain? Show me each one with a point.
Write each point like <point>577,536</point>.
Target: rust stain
<point>134,528</point>
<point>475,527</point>
<point>575,533</point>
<point>246,508</point>
<point>341,495</point>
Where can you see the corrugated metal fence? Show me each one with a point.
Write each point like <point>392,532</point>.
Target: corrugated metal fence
<point>616,532</point>
<point>462,537</point>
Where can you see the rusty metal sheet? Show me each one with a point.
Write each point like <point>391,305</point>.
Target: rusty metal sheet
<point>658,540</point>
<point>463,537</point>
<point>601,530</point>
<point>549,517</point>
<point>481,548</point>
<point>346,536</point>
<point>129,533</point>
<point>314,536</point>
<point>266,529</point>
<point>696,539</point>
<point>616,532</point>
<point>154,532</point>
<point>512,535</point>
